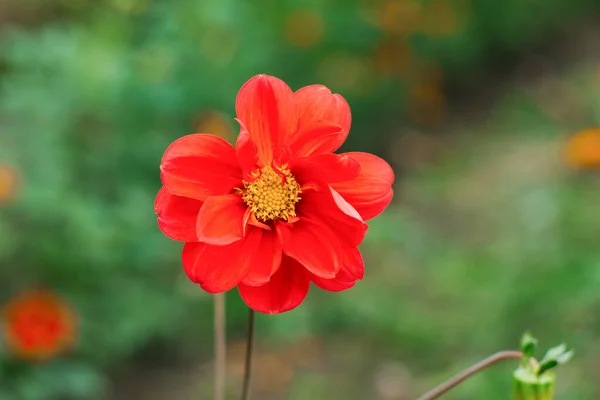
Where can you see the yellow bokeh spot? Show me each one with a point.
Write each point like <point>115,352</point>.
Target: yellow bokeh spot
<point>215,123</point>
<point>155,64</point>
<point>130,6</point>
<point>304,28</point>
<point>583,149</point>
<point>272,195</point>
<point>8,183</point>
<point>219,45</point>
<point>347,72</point>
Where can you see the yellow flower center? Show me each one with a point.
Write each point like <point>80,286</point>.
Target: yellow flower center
<point>270,196</point>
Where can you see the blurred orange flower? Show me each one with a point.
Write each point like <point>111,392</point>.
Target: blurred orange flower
<point>38,325</point>
<point>216,123</point>
<point>583,149</point>
<point>8,183</point>
<point>304,28</point>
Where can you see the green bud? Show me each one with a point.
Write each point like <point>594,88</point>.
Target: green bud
<point>529,386</point>
<point>535,380</point>
<point>528,345</point>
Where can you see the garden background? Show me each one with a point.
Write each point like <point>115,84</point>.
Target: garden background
<point>492,231</point>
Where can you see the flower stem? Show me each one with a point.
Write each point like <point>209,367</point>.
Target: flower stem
<point>467,373</point>
<point>248,365</point>
<point>220,347</point>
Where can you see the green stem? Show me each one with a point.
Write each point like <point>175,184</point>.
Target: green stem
<point>220,347</point>
<point>249,352</point>
<point>467,373</point>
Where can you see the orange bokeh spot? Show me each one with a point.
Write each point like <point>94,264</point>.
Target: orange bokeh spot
<point>583,149</point>
<point>443,17</point>
<point>304,28</point>
<point>427,103</point>
<point>400,16</point>
<point>427,71</point>
<point>392,57</point>
<point>38,325</point>
<point>426,96</point>
<point>8,183</point>
<point>215,123</point>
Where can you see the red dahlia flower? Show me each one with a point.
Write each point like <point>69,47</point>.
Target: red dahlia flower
<point>279,210</point>
<point>38,325</point>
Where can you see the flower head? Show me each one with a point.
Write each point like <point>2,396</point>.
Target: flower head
<point>583,149</point>
<point>280,210</point>
<point>38,325</point>
<point>8,183</point>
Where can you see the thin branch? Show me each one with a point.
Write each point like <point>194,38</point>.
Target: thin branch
<point>467,373</point>
<point>249,352</point>
<point>220,347</point>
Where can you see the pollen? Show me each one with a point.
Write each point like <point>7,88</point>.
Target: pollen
<point>272,195</point>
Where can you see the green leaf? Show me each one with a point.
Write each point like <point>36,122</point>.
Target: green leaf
<point>555,356</point>
<point>548,365</point>
<point>565,357</point>
<point>554,352</point>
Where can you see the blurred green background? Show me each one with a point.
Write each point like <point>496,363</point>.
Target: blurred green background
<point>472,101</point>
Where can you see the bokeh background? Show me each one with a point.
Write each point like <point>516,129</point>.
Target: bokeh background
<point>477,104</point>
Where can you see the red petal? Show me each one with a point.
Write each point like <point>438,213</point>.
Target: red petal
<point>327,168</point>
<point>319,111</point>
<point>221,220</point>
<point>333,285</point>
<point>285,291</point>
<point>177,215</point>
<point>220,268</point>
<point>353,269</point>
<point>331,208</point>
<point>284,231</point>
<point>246,152</point>
<point>317,141</point>
<point>199,166</point>
<point>353,264</point>
<point>250,219</point>
<point>267,261</point>
<point>265,105</point>
<point>315,246</point>
<point>371,191</point>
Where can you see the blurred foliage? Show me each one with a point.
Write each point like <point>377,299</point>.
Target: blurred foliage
<point>92,92</point>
